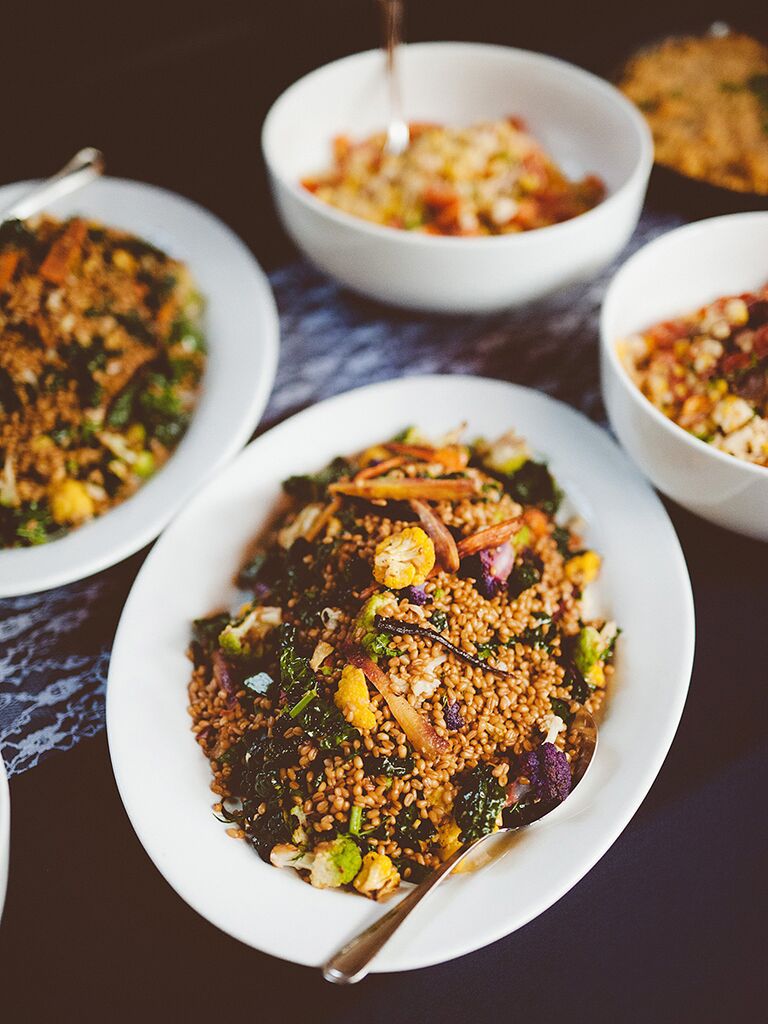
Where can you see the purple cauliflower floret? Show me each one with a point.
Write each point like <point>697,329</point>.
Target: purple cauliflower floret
<point>548,770</point>
<point>453,717</point>
<point>496,564</point>
<point>416,595</point>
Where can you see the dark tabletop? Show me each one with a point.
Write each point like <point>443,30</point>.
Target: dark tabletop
<point>669,925</point>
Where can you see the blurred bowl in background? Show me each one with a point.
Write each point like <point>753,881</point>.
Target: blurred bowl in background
<point>674,274</point>
<point>583,122</point>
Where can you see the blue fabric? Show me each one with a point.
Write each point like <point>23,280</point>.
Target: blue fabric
<point>54,647</point>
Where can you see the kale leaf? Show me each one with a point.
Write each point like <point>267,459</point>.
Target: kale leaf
<point>478,804</point>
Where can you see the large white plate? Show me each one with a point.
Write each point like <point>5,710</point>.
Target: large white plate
<point>242,332</point>
<point>163,778</point>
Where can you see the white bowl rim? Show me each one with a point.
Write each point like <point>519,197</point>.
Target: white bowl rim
<point>641,169</point>
<point>609,345</point>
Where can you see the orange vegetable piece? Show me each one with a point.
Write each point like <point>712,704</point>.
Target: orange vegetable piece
<point>8,263</point>
<point>64,252</point>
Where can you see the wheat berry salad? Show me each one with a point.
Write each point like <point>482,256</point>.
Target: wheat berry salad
<point>492,178</point>
<point>403,675</point>
<point>101,361</point>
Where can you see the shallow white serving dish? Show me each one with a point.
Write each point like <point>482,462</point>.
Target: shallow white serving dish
<point>675,274</point>
<point>164,779</point>
<point>242,334</point>
<point>5,832</point>
<point>585,123</point>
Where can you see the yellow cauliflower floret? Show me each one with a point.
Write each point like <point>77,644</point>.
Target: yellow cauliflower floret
<point>352,698</point>
<point>596,675</point>
<point>378,876</point>
<point>404,559</point>
<point>583,568</point>
<point>71,502</point>
<point>448,838</point>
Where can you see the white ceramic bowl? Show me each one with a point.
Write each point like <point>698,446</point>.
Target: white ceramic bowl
<point>584,122</point>
<point>674,274</point>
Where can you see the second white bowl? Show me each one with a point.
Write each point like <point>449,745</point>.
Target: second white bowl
<point>675,274</point>
<point>581,120</point>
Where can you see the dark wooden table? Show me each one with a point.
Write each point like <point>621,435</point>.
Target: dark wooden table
<point>669,925</point>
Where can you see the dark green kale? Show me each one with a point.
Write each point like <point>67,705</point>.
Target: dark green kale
<point>479,803</point>
<point>439,620</point>
<point>526,574</point>
<point>205,632</point>
<point>313,487</point>
<point>411,829</point>
<point>533,484</point>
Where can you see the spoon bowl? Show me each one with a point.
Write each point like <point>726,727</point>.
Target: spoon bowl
<point>351,963</point>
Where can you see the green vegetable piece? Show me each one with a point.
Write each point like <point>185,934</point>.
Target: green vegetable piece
<point>588,650</point>
<point>355,820</point>
<point>479,803</point>
<point>439,619</point>
<point>313,487</point>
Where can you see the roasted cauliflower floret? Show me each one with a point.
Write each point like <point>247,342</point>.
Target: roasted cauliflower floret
<point>330,864</point>
<point>583,568</point>
<point>353,700</point>
<point>71,502</point>
<point>245,636</point>
<point>404,559</point>
<point>378,877</point>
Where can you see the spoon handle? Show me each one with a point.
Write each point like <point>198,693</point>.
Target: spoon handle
<point>350,963</point>
<point>81,169</point>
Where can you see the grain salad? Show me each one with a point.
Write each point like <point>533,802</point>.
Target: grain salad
<point>403,675</point>
<point>706,102</point>
<point>492,178</point>
<point>707,371</point>
<point>100,368</point>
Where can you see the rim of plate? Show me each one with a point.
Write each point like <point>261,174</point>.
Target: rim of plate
<point>180,226</point>
<point>595,815</point>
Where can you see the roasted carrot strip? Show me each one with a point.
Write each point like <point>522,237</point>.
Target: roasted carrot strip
<point>330,510</point>
<point>405,489</point>
<point>489,537</point>
<point>418,730</point>
<point>8,263</point>
<point>64,252</point>
<point>446,551</point>
<point>379,468</point>
<point>536,520</point>
<point>453,456</point>
<point>165,316</point>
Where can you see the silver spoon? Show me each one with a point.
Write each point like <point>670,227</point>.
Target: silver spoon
<point>398,134</point>
<point>83,168</point>
<point>350,963</point>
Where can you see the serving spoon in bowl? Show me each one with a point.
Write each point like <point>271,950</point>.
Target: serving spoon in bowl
<point>398,133</point>
<point>350,963</point>
<point>83,168</point>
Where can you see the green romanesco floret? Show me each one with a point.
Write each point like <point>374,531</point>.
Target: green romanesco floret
<point>331,863</point>
<point>373,641</point>
<point>244,637</point>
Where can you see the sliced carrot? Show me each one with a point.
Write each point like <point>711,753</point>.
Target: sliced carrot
<point>489,537</point>
<point>64,252</point>
<point>454,457</point>
<point>8,262</point>
<point>380,468</point>
<point>536,520</point>
<point>419,731</point>
<point>165,315</point>
<point>405,489</point>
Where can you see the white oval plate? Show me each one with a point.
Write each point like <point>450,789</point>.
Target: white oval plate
<point>164,779</point>
<point>242,333</point>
